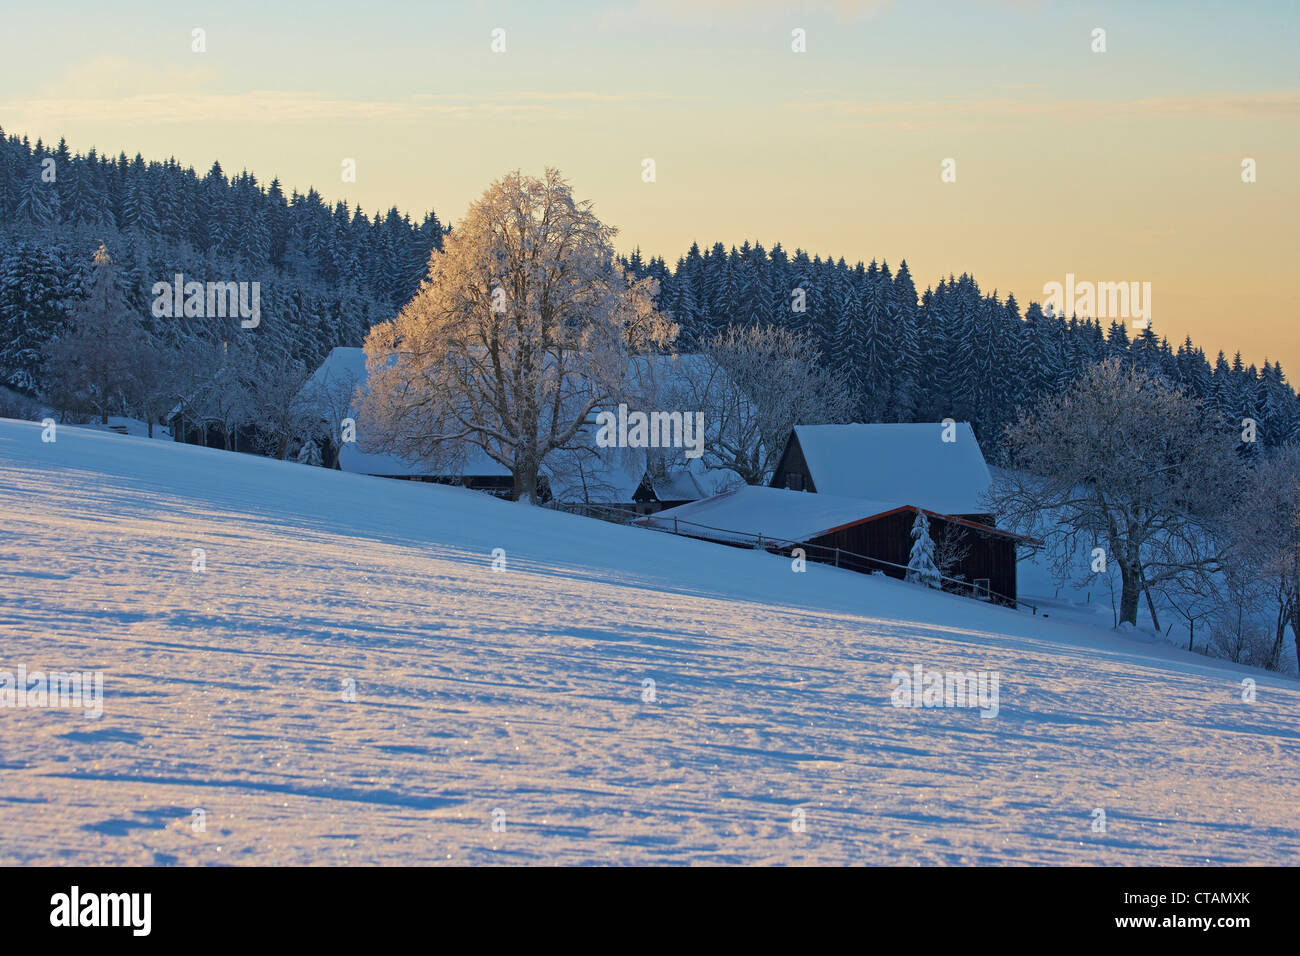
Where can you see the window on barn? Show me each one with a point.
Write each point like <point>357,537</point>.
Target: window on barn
<point>981,586</point>
<point>794,482</point>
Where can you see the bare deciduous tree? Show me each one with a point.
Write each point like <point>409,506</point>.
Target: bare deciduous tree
<point>331,398</point>
<point>1235,632</point>
<point>951,548</point>
<point>1264,530</point>
<point>1123,459</point>
<point>524,325</point>
<point>283,413</point>
<point>756,384</point>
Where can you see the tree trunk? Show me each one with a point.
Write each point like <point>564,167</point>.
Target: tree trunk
<point>1295,633</point>
<point>525,478</point>
<point>1151,606</point>
<point>1129,594</point>
<point>1275,653</point>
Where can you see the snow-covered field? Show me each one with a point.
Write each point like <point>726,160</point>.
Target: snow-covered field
<point>521,691</point>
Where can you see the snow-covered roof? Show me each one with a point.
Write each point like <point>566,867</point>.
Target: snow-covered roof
<point>340,363</point>
<point>609,476</point>
<point>906,463</point>
<point>343,364</point>
<point>694,481</point>
<point>606,476</point>
<point>748,512</point>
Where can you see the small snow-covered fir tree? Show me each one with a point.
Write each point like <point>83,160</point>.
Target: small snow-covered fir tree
<point>921,568</point>
<point>309,453</point>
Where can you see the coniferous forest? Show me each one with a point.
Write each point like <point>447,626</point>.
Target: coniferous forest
<point>328,274</point>
<point>954,350</point>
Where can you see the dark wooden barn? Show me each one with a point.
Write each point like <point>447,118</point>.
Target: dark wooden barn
<point>985,556</point>
<point>854,534</point>
<point>933,465</point>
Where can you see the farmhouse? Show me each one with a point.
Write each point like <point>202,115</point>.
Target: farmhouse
<point>334,388</point>
<point>613,480</point>
<point>692,483</point>
<point>929,464</point>
<point>848,495</point>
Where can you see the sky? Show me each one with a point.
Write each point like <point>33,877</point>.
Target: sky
<point>1115,166</point>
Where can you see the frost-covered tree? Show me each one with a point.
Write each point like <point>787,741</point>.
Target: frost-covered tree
<point>153,388</point>
<point>223,396</point>
<point>1264,530</point>
<point>756,384</point>
<point>331,398</point>
<point>283,412</point>
<point>523,327</point>
<point>921,566</point>
<point>1121,460</point>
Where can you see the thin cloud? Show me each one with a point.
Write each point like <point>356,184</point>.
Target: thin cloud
<point>914,114</point>
<point>271,107</point>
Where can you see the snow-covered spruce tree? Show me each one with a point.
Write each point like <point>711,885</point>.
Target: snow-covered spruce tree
<point>91,367</point>
<point>921,567</point>
<point>523,327</point>
<point>309,454</point>
<point>908,354</point>
<point>38,202</point>
<point>1124,461</point>
<point>34,304</point>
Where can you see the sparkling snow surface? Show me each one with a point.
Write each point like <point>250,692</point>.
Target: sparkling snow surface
<point>522,691</point>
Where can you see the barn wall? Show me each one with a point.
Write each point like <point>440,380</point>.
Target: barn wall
<point>792,463</point>
<point>889,538</point>
<point>992,557</point>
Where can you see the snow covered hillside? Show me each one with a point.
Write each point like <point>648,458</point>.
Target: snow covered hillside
<point>505,715</point>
